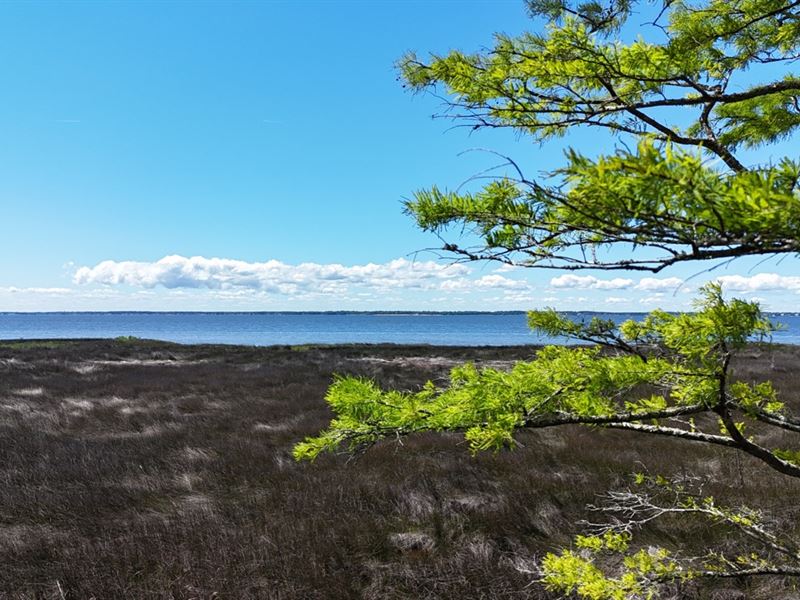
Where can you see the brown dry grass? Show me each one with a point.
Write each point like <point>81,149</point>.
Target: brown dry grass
<point>136,469</point>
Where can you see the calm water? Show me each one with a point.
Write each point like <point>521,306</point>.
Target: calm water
<point>452,329</point>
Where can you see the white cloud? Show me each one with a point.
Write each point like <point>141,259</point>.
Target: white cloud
<point>761,281</point>
<point>586,282</point>
<point>656,298</point>
<point>506,268</point>
<point>616,300</point>
<point>653,284</point>
<point>498,281</point>
<point>454,285</point>
<point>50,291</point>
<point>487,282</point>
<point>174,272</point>
<point>518,297</point>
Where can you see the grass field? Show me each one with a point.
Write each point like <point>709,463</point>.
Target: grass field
<point>137,469</point>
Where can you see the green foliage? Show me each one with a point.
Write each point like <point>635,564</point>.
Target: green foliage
<point>578,573</point>
<point>792,456</point>
<point>616,542</point>
<point>761,396</point>
<point>665,95</point>
<point>572,383</point>
<point>718,325</point>
<point>606,566</point>
<point>759,121</point>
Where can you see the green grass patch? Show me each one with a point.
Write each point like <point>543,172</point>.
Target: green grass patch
<point>35,344</point>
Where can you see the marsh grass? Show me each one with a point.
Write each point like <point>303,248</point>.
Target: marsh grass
<point>138,469</point>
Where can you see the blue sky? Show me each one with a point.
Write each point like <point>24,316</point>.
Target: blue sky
<point>254,156</point>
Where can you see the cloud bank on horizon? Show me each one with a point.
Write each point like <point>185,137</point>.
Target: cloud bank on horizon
<point>201,283</point>
<point>177,282</point>
<point>230,284</point>
<point>272,276</point>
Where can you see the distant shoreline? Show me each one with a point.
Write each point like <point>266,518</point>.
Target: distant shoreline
<point>133,341</point>
<point>410,313</point>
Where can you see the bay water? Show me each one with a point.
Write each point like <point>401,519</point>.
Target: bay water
<point>290,328</point>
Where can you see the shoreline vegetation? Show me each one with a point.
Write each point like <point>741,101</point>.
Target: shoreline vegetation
<point>135,468</point>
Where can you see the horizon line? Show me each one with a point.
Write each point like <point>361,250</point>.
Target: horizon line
<point>342,312</point>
